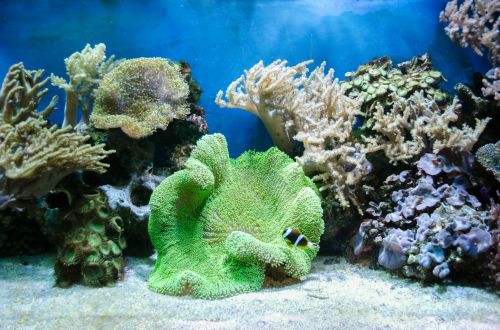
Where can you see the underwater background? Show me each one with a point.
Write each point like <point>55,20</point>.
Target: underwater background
<point>222,38</point>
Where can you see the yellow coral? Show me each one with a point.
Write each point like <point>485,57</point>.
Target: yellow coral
<point>141,95</point>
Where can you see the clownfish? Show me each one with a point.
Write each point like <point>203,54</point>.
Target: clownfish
<point>296,238</point>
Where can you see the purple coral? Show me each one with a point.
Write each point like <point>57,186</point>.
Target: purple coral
<point>476,241</point>
<point>429,222</point>
<point>395,245</point>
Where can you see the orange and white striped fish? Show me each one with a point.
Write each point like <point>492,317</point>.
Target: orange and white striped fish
<point>296,238</point>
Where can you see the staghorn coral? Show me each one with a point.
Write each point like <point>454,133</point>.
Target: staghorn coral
<point>34,157</point>
<point>475,23</point>
<point>272,94</point>
<point>141,95</point>
<point>429,226</point>
<point>85,69</point>
<point>218,223</point>
<point>417,124</point>
<point>374,82</point>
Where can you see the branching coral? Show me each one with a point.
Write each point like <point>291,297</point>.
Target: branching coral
<point>84,70</point>
<point>141,95</point>
<point>413,126</point>
<point>325,127</point>
<point>34,156</point>
<point>477,23</point>
<point>218,223</point>
<point>272,94</point>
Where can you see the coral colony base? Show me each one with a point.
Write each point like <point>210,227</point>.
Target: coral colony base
<point>391,168</point>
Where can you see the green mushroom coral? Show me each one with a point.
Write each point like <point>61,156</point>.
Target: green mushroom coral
<point>141,95</point>
<point>217,224</point>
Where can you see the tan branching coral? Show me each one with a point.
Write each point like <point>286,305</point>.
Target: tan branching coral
<point>418,124</point>
<point>477,23</point>
<point>21,93</point>
<point>34,157</point>
<point>272,94</point>
<point>492,84</point>
<point>84,70</point>
<point>324,125</point>
<point>140,96</point>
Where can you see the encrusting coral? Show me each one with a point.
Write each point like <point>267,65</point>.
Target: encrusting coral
<point>85,69</point>
<point>218,223</point>
<point>429,226</point>
<point>34,156</point>
<point>377,80</point>
<point>140,96</point>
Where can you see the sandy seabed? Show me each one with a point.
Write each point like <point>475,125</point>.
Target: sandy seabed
<point>336,295</point>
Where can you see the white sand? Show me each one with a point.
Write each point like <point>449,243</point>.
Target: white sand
<point>334,295</point>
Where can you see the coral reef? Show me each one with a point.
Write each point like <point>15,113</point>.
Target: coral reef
<point>140,96</point>
<point>85,69</point>
<point>429,226</point>
<point>218,223</point>
<point>88,237</point>
<point>34,156</point>
<point>377,80</point>
<point>316,111</point>
<point>492,84</point>
<point>20,234</point>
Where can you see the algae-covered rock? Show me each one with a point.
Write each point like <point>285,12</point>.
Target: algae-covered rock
<point>218,223</point>
<point>141,95</point>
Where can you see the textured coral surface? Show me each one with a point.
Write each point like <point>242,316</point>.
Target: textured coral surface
<point>219,222</point>
<point>141,95</point>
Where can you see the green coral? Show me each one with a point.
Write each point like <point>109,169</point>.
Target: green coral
<point>376,80</point>
<point>141,95</point>
<point>489,157</point>
<point>88,237</point>
<point>217,224</point>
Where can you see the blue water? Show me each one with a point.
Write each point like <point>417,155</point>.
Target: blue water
<point>222,38</point>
